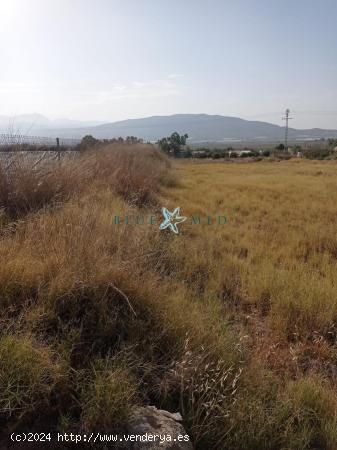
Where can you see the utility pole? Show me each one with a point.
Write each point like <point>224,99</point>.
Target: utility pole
<point>286,118</point>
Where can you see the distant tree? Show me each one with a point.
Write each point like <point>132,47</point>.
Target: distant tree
<point>133,140</point>
<point>317,151</point>
<point>88,141</point>
<point>173,144</point>
<point>246,154</point>
<point>280,147</point>
<point>332,143</point>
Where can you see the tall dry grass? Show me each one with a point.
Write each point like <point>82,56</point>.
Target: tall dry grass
<point>26,186</point>
<point>88,290</point>
<point>273,268</point>
<point>232,324</point>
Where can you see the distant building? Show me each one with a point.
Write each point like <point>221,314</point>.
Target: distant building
<point>199,154</point>
<point>245,153</point>
<point>241,153</point>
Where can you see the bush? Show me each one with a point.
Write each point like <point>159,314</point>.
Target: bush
<point>317,152</point>
<point>248,155</point>
<point>282,156</point>
<point>88,142</point>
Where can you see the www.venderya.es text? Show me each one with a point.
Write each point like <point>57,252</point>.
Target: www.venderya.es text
<point>97,437</point>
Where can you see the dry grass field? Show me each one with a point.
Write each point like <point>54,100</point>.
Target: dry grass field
<point>273,269</point>
<point>233,325</point>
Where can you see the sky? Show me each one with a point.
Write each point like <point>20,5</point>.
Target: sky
<point>110,60</point>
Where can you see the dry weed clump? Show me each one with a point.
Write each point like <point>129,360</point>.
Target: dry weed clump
<point>135,172</point>
<point>108,398</point>
<point>299,414</point>
<point>25,188</point>
<point>206,389</point>
<point>29,373</point>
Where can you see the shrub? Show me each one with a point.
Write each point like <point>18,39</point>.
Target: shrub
<point>247,155</point>
<point>317,152</point>
<point>88,142</point>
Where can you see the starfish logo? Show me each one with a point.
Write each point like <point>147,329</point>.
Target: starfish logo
<point>171,219</point>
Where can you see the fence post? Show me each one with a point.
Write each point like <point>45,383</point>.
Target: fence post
<point>58,149</point>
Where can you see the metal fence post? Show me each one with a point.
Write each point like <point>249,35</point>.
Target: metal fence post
<point>58,149</point>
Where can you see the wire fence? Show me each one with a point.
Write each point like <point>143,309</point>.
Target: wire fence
<point>11,142</point>
<point>17,150</point>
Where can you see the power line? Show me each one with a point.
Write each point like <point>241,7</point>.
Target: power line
<point>286,118</point>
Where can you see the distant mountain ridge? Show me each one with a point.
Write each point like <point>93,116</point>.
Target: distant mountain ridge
<point>24,123</point>
<point>199,127</point>
<point>204,127</point>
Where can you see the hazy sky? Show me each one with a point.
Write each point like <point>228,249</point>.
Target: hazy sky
<point>111,60</point>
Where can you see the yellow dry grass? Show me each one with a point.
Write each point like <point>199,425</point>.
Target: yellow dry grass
<point>234,324</point>
<point>278,250</point>
<point>273,268</point>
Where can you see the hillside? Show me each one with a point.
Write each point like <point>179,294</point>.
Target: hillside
<point>205,127</point>
<point>200,127</point>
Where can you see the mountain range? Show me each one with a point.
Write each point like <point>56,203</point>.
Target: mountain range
<point>25,123</point>
<point>199,127</point>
